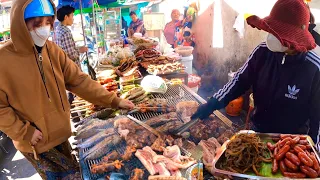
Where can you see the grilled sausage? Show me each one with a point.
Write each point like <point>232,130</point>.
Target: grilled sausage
<point>305,159</point>
<point>282,152</point>
<point>275,166</point>
<point>270,146</point>
<point>309,171</point>
<point>295,140</point>
<point>303,137</point>
<point>284,141</point>
<point>294,175</point>
<point>283,136</point>
<point>315,162</point>
<point>303,147</point>
<point>297,149</point>
<point>308,146</point>
<point>293,158</point>
<point>304,142</point>
<point>290,165</point>
<point>283,167</point>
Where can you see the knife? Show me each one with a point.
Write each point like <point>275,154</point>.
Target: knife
<point>149,128</point>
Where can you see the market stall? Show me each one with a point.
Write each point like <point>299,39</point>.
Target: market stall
<point>183,101</point>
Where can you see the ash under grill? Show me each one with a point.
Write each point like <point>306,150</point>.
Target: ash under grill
<point>174,94</point>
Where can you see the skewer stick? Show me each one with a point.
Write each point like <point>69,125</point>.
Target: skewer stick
<point>34,152</point>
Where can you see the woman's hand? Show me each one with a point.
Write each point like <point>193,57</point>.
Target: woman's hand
<point>36,137</point>
<point>126,104</point>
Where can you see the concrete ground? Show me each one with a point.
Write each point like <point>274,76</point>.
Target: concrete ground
<point>13,165</point>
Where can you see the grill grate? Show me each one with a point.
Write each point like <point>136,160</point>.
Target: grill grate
<point>174,94</point>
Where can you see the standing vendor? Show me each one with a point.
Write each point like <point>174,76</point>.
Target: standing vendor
<point>34,75</point>
<point>283,73</point>
<point>136,25</point>
<point>170,28</point>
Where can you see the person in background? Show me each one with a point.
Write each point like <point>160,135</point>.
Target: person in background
<point>124,26</point>
<point>284,74</point>
<point>34,74</point>
<point>136,25</point>
<point>63,35</point>
<point>187,39</point>
<point>314,33</point>
<point>64,38</point>
<point>170,28</point>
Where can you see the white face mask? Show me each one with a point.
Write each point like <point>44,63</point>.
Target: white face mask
<point>40,35</point>
<point>274,44</point>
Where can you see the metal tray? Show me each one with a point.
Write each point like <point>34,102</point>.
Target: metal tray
<point>174,94</point>
<point>233,175</point>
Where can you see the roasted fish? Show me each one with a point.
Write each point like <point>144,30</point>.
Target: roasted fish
<point>88,133</point>
<point>102,147</point>
<point>96,138</point>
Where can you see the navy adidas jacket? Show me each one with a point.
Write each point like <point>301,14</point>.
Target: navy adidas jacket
<point>286,91</point>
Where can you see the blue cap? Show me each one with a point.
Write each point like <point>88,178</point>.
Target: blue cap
<point>38,8</point>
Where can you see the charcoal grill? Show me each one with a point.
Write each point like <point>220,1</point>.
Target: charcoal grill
<point>174,95</point>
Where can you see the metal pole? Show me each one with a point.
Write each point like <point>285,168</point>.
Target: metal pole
<point>95,25</point>
<point>83,33</point>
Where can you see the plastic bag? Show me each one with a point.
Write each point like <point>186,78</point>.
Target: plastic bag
<point>155,84</point>
<point>164,47</point>
<point>239,25</point>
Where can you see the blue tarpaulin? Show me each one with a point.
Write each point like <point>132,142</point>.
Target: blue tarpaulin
<point>85,3</point>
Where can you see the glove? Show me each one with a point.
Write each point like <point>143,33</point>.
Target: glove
<point>205,110</point>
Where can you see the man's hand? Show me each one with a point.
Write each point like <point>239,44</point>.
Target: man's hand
<point>205,110</point>
<point>36,137</point>
<point>83,49</point>
<point>126,104</point>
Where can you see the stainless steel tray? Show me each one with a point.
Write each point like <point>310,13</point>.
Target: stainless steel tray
<point>233,175</point>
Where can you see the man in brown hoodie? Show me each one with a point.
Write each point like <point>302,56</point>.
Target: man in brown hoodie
<point>34,76</point>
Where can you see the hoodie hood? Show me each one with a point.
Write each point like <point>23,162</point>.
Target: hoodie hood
<point>20,35</point>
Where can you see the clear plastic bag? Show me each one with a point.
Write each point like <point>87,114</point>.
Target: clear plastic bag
<point>155,84</point>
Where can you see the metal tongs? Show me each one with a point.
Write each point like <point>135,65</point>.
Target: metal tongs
<point>185,127</point>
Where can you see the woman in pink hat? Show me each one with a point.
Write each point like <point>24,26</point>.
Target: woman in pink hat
<point>283,72</point>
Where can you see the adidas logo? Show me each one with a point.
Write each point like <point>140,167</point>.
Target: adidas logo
<point>292,92</point>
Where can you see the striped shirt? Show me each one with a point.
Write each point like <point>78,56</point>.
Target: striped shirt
<point>64,39</point>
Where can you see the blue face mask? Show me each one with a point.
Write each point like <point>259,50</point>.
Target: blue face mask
<point>274,44</point>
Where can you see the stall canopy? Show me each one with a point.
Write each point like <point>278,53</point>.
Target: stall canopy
<point>85,3</point>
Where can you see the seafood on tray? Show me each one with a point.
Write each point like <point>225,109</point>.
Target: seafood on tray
<point>165,68</point>
<point>245,152</point>
<point>103,135</point>
<point>95,126</point>
<point>102,147</point>
<point>167,164</point>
